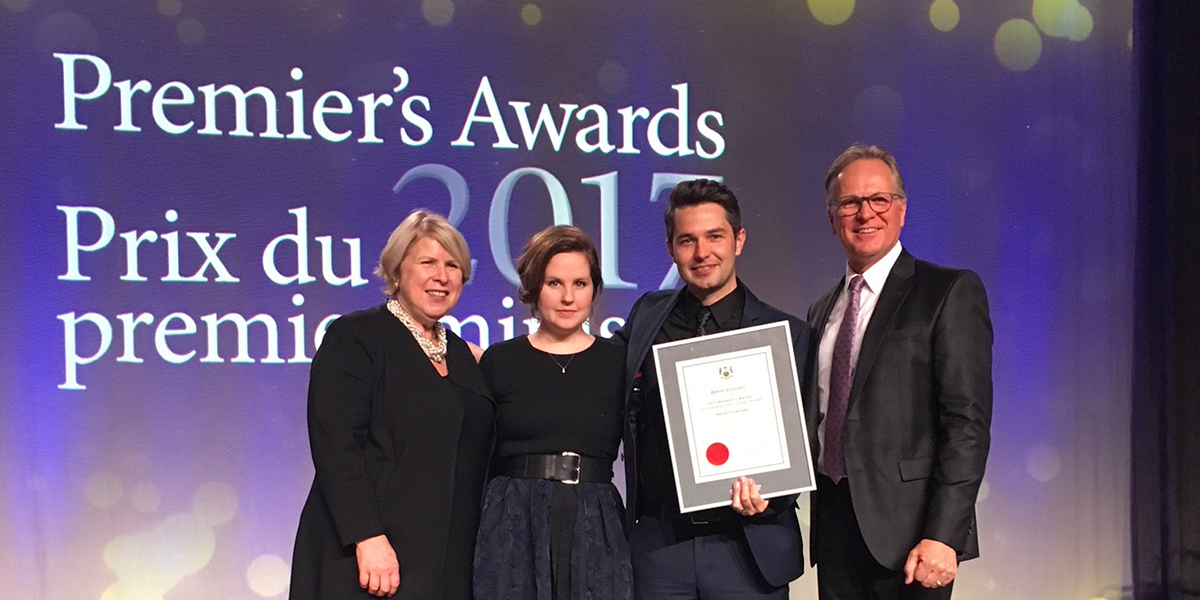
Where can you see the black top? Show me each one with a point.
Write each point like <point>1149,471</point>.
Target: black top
<point>473,441</point>
<point>544,410</point>
<point>657,490</point>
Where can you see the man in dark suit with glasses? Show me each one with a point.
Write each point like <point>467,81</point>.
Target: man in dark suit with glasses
<point>903,378</point>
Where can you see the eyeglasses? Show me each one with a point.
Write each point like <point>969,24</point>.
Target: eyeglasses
<point>850,205</point>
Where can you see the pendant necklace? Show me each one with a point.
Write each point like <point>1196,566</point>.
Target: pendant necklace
<point>562,366</point>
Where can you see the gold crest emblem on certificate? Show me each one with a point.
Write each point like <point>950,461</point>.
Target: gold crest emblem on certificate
<point>725,372</point>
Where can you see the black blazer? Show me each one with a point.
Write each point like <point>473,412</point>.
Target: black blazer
<point>384,429</point>
<point>774,536</point>
<point>920,410</point>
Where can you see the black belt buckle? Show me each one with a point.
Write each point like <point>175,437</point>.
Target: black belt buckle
<point>576,468</point>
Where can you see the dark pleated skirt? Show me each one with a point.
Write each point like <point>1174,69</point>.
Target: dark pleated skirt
<point>517,548</point>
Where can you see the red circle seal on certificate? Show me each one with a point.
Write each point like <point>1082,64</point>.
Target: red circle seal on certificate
<point>717,454</point>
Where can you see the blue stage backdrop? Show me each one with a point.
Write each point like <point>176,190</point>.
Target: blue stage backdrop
<point>190,191</point>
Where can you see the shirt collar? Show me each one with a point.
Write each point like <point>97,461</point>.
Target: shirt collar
<point>723,310</point>
<point>876,275</point>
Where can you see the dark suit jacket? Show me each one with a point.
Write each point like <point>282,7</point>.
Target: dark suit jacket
<point>384,429</point>
<point>773,536</point>
<point>920,410</point>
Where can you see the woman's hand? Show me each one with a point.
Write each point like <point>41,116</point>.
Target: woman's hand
<point>378,569</point>
<point>746,500</point>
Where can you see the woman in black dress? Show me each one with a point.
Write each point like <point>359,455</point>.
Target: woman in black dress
<point>552,519</point>
<point>400,423</point>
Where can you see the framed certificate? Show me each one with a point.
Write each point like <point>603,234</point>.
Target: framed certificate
<point>733,408</point>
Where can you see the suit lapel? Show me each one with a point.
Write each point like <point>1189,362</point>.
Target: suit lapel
<point>462,369</point>
<point>752,310</point>
<point>899,282</point>
<point>820,317</point>
<point>651,322</point>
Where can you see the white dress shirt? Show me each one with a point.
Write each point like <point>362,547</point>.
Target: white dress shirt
<point>876,276</point>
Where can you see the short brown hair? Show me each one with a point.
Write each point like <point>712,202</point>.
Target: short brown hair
<point>544,245</point>
<point>418,224</point>
<point>859,151</point>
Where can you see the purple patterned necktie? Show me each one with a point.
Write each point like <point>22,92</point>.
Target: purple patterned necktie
<point>841,377</point>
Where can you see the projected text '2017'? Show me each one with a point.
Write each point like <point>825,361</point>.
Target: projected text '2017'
<point>196,257</point>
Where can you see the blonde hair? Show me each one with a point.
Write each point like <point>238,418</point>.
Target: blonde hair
<point>419,224</point>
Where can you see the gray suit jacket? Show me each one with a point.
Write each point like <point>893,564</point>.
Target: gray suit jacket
<point>920,410</point>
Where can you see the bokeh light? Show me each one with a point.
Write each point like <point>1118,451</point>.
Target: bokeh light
<point>170,8</point>
<point>150,563</point>
<point>16,6</point>
<point>145,497</point>
<point>190,31</point>
<point>1063,18</point>
<point>1051,16</point>
<point>1081,25</point>
<point>531,14</point>
<point>1042,463</point>
<point>612,78</point>
<point>182,544</point>
<point>136,589</point>
<point>943,14</point>
<point>268,575</point>
<point>65,31</point>
<point>438,12</point>
<point>1018,44</point>
<point>215,502</point>
<point>103,489</point>
<point>831,12</point>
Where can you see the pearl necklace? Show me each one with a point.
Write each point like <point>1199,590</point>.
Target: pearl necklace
<point>436,351</point>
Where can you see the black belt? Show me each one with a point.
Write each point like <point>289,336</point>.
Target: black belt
<point>568,467</point>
